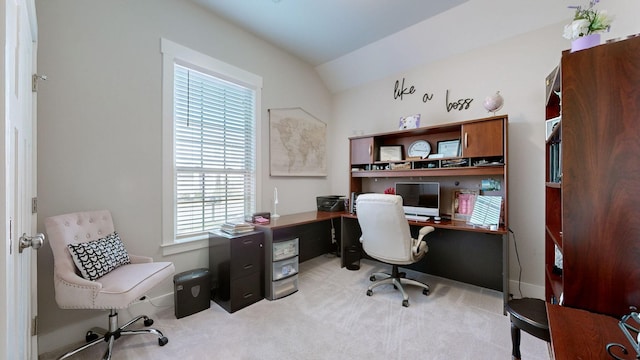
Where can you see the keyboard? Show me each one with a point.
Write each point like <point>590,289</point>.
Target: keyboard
<point>416,217</point>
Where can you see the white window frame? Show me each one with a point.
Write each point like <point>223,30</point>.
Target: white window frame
<point>173,53</point>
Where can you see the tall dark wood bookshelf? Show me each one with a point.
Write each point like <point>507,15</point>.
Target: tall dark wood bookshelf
<point>593,208</point>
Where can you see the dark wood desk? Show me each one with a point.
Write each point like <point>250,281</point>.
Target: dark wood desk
<point>580,334</point>
<point>456,250</point>
<point>313,229</point>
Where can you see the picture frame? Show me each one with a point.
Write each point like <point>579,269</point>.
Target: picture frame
<point>449,148</point>
<point>391,153</point>
<point>462,204</point>
<point>409,122</point>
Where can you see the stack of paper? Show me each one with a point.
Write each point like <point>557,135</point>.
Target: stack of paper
<point>236,227</point>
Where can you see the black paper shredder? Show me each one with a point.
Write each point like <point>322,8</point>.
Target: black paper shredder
<point>192,292</point>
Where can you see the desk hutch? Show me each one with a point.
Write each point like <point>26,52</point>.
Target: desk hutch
<point>483,154</point>
<point>457,250</point>
<point>592,194</point>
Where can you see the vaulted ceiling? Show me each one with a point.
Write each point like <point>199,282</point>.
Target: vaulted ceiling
<point>351,42</point>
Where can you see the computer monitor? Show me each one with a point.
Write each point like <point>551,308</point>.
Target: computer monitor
<point>420,198</point>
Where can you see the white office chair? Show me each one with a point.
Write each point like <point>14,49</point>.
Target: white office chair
<point>386,237</point>
<point>92,270</point>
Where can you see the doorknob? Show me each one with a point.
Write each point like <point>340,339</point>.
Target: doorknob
<point>34,241</point>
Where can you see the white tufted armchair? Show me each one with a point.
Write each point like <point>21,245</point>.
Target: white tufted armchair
<point>117,289</point>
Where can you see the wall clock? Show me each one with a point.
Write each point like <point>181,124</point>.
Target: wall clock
<point>419,148</point>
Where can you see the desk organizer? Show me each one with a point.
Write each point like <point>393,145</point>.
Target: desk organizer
<point>284,273</point>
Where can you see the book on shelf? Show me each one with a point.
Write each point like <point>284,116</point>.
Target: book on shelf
<point>555,162</point>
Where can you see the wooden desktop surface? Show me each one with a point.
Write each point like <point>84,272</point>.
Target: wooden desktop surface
<point>580,334</point>
<point>316,216</point>
<point>301,219</point>
<point>493,260</point>
<point>447,224</point>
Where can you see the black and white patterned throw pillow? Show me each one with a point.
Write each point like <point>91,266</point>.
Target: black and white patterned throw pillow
<point>97,258</point>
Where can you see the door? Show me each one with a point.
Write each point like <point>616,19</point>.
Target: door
<point>18,299</point>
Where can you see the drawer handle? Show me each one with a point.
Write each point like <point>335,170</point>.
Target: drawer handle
<point>248,266</point>
<point>247,295</point>
<point>247,241</point>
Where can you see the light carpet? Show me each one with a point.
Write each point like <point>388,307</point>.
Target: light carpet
<point>330,317</point>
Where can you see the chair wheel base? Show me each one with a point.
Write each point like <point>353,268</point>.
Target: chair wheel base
<point>426,292</point>
<point>369,292</point>
<point>163,341</point>
<point>405,303</point>
<point>372,278</point>
<point>148,322</point>
<point>91,336</point>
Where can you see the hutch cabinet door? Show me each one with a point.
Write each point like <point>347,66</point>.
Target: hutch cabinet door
<point>485,138</point>
<point>362,151</point>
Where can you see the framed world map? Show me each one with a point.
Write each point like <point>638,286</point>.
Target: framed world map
<point>297,143</point>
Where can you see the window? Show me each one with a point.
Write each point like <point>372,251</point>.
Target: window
<point>209,150</point>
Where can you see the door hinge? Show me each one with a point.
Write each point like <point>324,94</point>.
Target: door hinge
<point>34,326</point>
<point>34,81</point>
<point>34,205</point>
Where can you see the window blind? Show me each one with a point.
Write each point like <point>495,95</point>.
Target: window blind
<point>214,129</point>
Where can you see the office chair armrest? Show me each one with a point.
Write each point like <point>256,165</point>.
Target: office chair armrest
<point>74,280</point>
<point>424,231</point>
<point>75,292</point>
<point>137,259</point>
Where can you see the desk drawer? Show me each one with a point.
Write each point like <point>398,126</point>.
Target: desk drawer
<point>247,256</point>
<point>284,268</point>
<point>284,287</point>
<point>285,249</point>
<point>245,291</point>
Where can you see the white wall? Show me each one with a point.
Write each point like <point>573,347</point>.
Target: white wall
<point>516,67</point>
<point>99,124</point>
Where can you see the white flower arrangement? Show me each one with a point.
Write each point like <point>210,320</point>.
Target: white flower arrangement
<point>587,21</point>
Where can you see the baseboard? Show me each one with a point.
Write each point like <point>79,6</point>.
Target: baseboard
<point>528,290</point>
<point>62,338</point>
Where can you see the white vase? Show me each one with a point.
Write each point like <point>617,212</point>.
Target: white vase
<point>585,42</point>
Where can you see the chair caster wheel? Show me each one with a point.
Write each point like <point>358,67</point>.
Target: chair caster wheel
<point>372,278</point>
<point>426,291</point>
<point>90,336</point>
<point>148,322</point>
<point>163,341</point>
<point>369,292</point>
<point>405,303</point>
